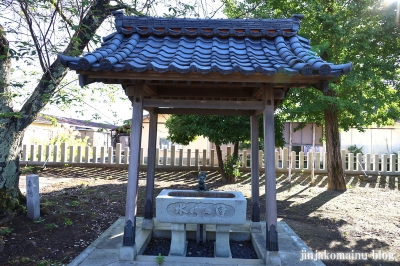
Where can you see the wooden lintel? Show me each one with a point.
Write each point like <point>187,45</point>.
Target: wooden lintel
<point>152,110</point>
<point>204,104</point>
<point>279,94</point>
<point>148,90</point>
<point>187,111</point>
<point>257,93</point>
<point>203,92</point>
<point>129,90</point>
<point>279,78</point>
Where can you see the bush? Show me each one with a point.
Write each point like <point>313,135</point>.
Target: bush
<point>231,167</point>
<point>354,149</point>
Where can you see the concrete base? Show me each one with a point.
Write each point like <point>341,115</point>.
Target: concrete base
<point>255,227</point>
<point>222,248</point>
<point>105,250</point>
<point>127,253</point>
<point>273,258</point>
<point>148,224</point>
<point>178,240</point>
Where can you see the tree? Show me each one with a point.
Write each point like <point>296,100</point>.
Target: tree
<point>183,129</point>
<point>362,32</point>
<point>44,30</point>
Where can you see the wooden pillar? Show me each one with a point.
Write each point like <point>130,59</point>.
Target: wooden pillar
<point>133,169</point>
<point>270,176</point>
<point>255,171</point>
<point>151,165</point>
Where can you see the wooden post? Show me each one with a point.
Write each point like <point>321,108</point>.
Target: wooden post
<point>301,160</point>
<point>270,176</point>
<point>228,150</point>
<point>24,152</point>
<point>290,152</point>
<point>173,152</point>
<point>87,154</point>
<point>126,155</point>
<point>255,170</point>
<point>141,160</point>
<point>63,152</point>
<point>79,156</point>
<point>94,157</point>
<point>151,166</point>
<point>244,159</point>
<point>40,153</point>
<point>313,155</point>
<point>180,157</point>
<point>133,168</point>
<point>165,157</point>
<point>71,154</point>
<point>118,153</point>
<point>33,152</point>
<point>110,154</point>
<point>55,153</point>
<point>47,153</point>
<point>188,158</point>
<point>102,154</point>
<point>285,158</point>
<point>196,158</point>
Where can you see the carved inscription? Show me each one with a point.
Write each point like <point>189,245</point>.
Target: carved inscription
<point>29,191</point>
<point>200,210</point>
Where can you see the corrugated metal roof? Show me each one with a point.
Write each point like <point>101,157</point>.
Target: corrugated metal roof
<point>226,46</point>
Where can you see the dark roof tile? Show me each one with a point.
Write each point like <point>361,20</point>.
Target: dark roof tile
<point>247,46</point>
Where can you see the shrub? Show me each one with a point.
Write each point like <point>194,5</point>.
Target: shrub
<point>354,149</point>
<point>231,167</point>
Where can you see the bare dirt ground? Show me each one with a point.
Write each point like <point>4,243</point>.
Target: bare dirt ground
<point>78,204</point>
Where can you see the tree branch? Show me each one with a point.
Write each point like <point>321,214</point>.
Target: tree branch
<point>52,76</point>
<point>24,8</point>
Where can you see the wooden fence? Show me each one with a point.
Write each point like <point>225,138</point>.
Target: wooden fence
<point>180,160</point>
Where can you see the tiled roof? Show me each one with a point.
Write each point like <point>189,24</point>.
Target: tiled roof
<point>226,46</point>
<point>42,118</point>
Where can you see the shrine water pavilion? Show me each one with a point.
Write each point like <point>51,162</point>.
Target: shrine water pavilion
<point>241,67</point>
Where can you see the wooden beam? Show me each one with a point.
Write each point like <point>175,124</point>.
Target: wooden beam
<point>206,104</point>
<point>129,91</point>
<point>186,111</point>
<point>279,78</point>
<point>196,91</point>
<point>279,94</point>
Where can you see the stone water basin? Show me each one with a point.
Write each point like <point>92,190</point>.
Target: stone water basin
<point>201,207</point>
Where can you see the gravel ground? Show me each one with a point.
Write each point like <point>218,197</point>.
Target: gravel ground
<point>239,249</point>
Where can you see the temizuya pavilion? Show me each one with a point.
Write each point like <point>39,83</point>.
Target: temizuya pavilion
<point>205,66</point>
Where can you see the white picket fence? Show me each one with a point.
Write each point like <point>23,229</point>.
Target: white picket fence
<point>177,160</point>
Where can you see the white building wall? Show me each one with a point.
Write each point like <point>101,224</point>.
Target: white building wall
<point>374,140</point>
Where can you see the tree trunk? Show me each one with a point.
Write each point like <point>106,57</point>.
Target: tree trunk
<point>10,194</point>
<point>334,162</point>
<point>221,164</point>
<point>14,123</point>
<point>236,149</point>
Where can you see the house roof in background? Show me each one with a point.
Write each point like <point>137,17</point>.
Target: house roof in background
<point>247,46</point>
<point>47,119</point>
